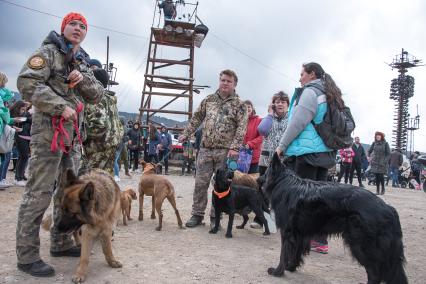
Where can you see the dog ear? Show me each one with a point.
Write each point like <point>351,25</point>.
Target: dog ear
<point>87,192</point>
<point>276,163</point>
<point>230,174</point>
<point>70,178</point>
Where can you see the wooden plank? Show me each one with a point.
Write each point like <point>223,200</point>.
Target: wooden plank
<point>168,77</point>
<point>168,61</point>
<point>164,111</point>
<point>166,94</point>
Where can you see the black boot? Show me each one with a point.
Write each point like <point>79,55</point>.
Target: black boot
<point>383,191</point>
<point>73,252</point>
<point>194,221</point>
<point>37,269</point>
<point>377,191</point>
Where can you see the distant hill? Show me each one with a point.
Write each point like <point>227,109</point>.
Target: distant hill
<point>166,121</point>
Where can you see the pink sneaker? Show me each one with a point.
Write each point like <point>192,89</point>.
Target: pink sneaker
<point>314,244</point>
<point>321,249</point>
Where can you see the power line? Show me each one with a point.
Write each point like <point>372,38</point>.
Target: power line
<point>145,37</point>
<point>59,17</point>
<point>253,58</point>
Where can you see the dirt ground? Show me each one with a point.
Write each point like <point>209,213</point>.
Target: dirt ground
<point>194,256</point>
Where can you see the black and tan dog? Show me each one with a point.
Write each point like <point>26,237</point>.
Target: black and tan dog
<point>92,202</point>
<point>126,198</point>
<point>159,188</point>
<point>305,208</point>
<point>231,199</point>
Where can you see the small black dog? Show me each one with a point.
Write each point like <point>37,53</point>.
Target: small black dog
<point>305,208</point>
<point>233,199</point>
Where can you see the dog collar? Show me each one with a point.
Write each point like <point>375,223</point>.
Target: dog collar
<point>222,194</point>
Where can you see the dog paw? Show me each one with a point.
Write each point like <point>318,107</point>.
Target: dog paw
<point>130,219</point>
<point>140,218</point>
<point>272,271</point>
<point>125,224</point>
<point>240,227</point>
<point>228,235</point>
<point>115,264</point>
<point>212,231</point>
<point>77,278</point>
<point>152,216</point>
<point>158,228</point>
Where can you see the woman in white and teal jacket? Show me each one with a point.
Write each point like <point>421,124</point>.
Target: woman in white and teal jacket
<point>309,156</point>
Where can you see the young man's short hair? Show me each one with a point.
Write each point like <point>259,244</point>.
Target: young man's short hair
<point>230,73</point>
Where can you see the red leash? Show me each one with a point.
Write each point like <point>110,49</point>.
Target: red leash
<point>61,133</point>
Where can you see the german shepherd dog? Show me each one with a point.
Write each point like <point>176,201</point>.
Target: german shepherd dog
<point>159,188</point>
<point>126,198</point>
<point>305,208</point>
<point>231,199</point>
<point>91,202</point>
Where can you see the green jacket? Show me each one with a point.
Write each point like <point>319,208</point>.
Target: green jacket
<point>42,81</point>
<point>225,122</point>
<point>5,96</point>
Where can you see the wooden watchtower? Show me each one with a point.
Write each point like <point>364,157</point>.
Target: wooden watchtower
<point>171,79</point>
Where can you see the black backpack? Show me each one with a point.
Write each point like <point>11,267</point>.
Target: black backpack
<point>337,126</point>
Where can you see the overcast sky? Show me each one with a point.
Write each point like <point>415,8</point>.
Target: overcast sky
<point>352,40</point>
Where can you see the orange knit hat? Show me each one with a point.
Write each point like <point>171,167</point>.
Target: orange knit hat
<point>73,16</point>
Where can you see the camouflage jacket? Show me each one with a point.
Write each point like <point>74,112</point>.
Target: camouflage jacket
<point>42,82</point>
<point>225,122</point>
<point>103,123</point>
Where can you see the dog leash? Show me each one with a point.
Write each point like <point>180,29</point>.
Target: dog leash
<point>61,133</point>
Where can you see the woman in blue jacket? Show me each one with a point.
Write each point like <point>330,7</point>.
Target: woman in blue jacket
<point>309,156</point>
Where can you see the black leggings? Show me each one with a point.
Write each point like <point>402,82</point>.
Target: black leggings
<point>23,147</point>
<point>380,180</point>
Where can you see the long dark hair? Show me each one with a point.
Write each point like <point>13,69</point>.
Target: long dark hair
<point>332,92</point>
<point>16,107</point>
<point>152,132</point>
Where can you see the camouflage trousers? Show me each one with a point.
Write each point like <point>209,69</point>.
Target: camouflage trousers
<point>98,157</point>
<point>208,161</point>
<point>46,179</point>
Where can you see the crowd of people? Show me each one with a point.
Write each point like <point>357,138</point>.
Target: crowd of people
<point>70,120</point>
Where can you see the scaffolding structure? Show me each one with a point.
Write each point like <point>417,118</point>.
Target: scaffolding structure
<point>184,34</point>
<point>402,89</point>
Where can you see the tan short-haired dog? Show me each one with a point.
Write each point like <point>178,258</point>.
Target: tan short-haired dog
<point>159,188</point>
<point>126,198</point>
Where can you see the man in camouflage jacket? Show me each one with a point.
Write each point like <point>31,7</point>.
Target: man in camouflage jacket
<point>56,80</point>
<point>225,120</point>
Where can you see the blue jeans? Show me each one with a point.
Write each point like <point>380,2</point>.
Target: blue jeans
<point>5,160</point>
<point>116,167</point>
<point>394,173</point>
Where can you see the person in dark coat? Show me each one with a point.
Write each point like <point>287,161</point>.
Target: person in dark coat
<point>379,154</point>
<point>395,163</point>
<point>134,144</point>
<point>357,161</point>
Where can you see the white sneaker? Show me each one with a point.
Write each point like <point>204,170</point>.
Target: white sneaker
<point>117,178</point>
<point>20,183</point>
<point>4,183</point>
<point>255,225</point>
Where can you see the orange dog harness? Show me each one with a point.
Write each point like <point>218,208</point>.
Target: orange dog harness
<point>222,194</point>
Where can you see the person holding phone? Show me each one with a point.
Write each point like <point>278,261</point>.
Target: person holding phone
<point>272,127</point>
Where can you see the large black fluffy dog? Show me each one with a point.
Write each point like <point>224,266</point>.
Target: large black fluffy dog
<point>305,208</point>
<point>233,199</point>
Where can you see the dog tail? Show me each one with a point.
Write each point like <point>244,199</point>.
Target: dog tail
<point>47,222</point>
<point>394,273</point>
